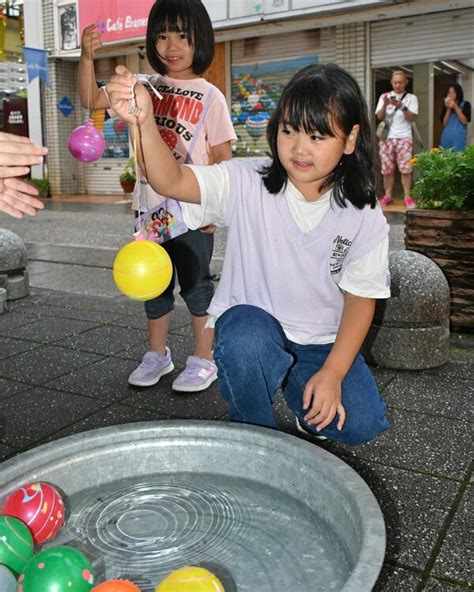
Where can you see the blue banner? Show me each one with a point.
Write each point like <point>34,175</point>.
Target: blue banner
<point>37,64</point>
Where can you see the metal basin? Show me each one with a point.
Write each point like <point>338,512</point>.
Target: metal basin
<point>265,511</point>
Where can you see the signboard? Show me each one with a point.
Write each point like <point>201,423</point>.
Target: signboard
<point>116,20</point>
<point>68,27</point>
<point>65,106</point>
<point>15,116</point>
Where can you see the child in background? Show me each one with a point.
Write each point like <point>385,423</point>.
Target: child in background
<point>193,118</point>
<point>306,257</point>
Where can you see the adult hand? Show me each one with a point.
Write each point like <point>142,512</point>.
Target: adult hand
<point>91,42</point>
<point>17,198</point>
<point>17,153</point>
<point>322,397</point>
<point>449,103</point>
<point>125,92</point>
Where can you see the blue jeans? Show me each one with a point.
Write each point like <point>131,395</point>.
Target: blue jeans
<point>254,358</point>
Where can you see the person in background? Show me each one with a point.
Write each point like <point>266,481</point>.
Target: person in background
<point>17,154</point>
<point>455,115</point>
<point>194,119</point>
<point>397,150</point>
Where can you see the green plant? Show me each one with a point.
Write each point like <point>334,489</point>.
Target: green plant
<point>128,173</point>
<point>42,185</point>
<point>446,179</point>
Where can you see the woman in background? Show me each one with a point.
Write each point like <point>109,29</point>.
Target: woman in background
<point>455,116</point>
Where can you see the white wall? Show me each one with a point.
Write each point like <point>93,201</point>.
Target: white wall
<point>34,38</point>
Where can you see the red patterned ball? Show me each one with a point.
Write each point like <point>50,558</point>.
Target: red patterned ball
<point>40,506</point>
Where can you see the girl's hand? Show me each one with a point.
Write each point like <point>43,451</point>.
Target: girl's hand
<point>17,198</point>
<point>209,229</point>
<point>125,93</point>
<point>90,42</point>
<point>322,398</point>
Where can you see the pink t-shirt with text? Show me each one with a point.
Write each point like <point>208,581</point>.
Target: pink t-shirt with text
<point>178,116</point>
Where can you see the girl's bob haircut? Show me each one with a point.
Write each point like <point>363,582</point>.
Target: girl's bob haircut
<point>183,16</point>
<point>326,99</point>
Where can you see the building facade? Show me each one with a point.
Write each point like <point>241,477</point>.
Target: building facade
<point>259,47</point>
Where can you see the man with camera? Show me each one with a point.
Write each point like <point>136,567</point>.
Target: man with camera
<point>399,108</point>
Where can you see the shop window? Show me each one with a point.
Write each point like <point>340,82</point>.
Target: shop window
<point>68,27</point>
<point>256,88</point>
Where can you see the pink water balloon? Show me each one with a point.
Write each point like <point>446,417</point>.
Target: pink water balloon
<point>86,142</point>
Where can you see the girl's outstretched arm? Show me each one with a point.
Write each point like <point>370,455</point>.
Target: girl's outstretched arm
<point>156,160</point>
<point>322,395</point>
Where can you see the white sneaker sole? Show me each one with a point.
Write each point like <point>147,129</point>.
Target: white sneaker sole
<point>301,429</point>
<point>195,389</point>
<point>154,380</point>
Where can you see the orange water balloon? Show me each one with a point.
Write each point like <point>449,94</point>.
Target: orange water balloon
<point>116,586</point>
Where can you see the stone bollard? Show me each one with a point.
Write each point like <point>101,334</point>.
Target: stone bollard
<point>3,300</point>
<point>13,262</point>
<point>410,331</point>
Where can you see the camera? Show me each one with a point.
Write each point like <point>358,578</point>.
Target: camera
<point>392,96</point>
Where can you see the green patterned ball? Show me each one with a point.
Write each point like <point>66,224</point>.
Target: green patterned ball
<point>57,569</point>
<point>16,543</point>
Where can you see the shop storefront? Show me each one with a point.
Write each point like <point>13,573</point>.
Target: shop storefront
<point>260,68</point>
<point>259,47</point>
<point>435,50</point>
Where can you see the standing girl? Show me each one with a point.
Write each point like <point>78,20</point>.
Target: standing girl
<point>194,120</point>
<point>306,254</point>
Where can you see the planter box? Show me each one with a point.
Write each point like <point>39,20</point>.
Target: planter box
<point>447,238</point>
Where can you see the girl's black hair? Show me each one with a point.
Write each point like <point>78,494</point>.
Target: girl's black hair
<point>324,99</point>
<point>459,91</point>
<point>185,16</point>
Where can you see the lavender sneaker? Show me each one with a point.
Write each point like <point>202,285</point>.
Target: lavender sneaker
<point>198,375</point>
<point>152,368</point>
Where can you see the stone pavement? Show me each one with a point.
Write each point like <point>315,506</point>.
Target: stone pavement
<point>66,352</point>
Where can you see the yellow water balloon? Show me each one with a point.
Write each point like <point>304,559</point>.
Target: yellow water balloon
<point>191,579</point>
<point>142,270</point>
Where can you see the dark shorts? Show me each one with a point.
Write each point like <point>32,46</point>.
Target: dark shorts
<point>190,254</point>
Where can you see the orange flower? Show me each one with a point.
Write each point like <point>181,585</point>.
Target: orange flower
<point>434,150</point>
<point>413,161</point>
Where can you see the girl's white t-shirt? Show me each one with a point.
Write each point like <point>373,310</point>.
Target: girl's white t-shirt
<point>366,277</point>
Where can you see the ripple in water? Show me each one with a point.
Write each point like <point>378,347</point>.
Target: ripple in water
<point>252,536</point>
